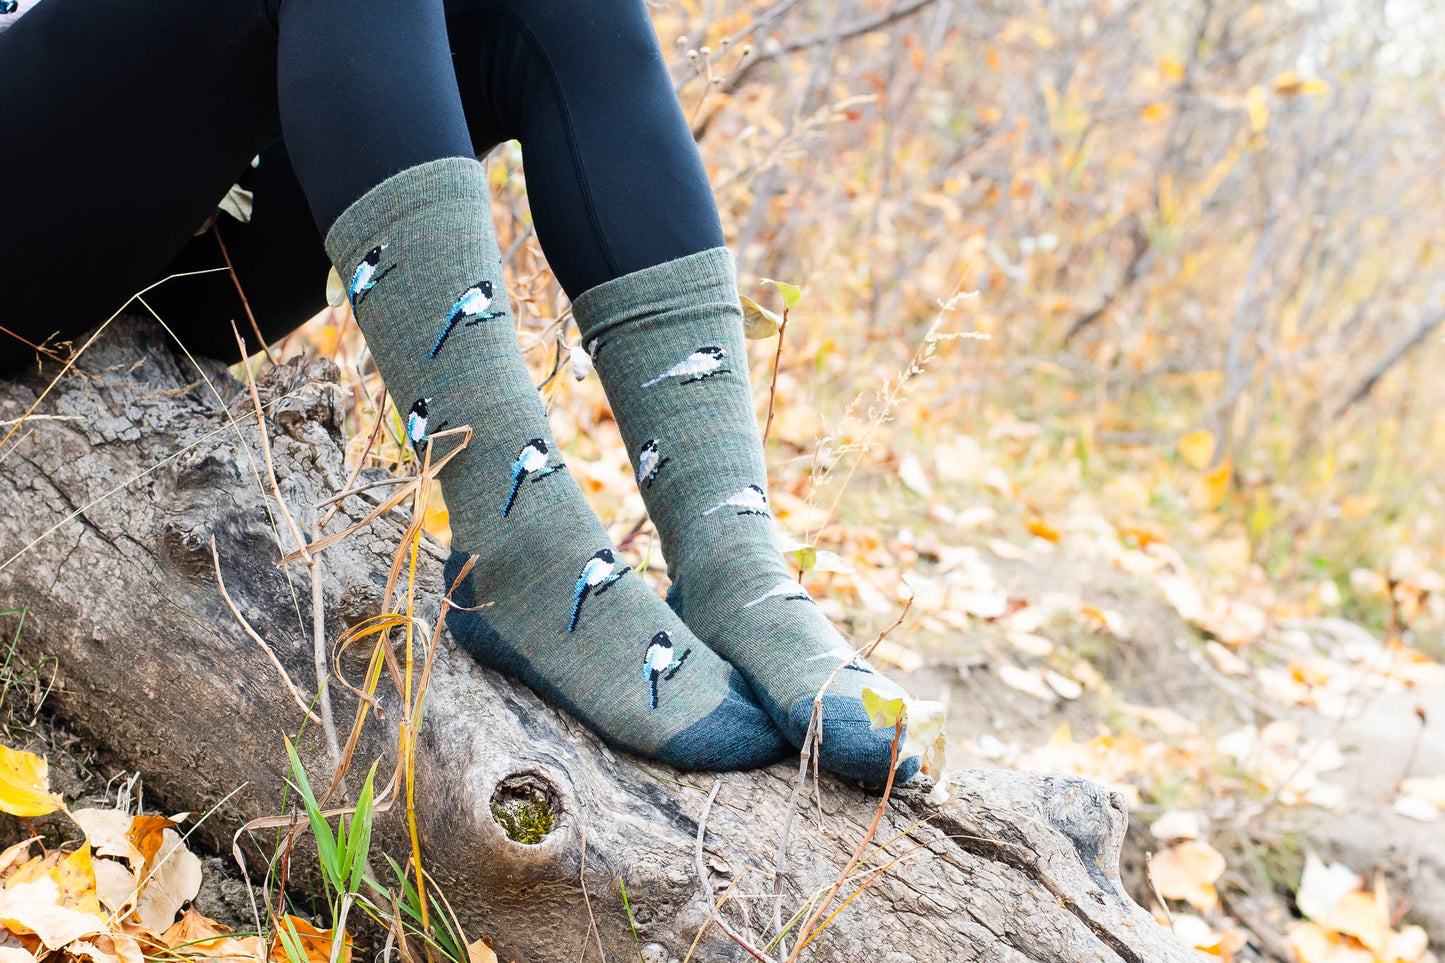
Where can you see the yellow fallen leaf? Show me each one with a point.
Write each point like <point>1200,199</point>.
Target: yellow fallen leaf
<point>204,937</point>
<point>75,879</point>
<point>1312,943</point>
<point>25,784</point>
<point>1197,447</point>
<point>1187,870</point>
<point>1171,69</point>
<point>35,908</point>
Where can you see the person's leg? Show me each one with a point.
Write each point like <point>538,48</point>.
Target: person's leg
<point>627,221</point>
<point>278,256</point>
<point>380,145</point>
<point>125,121</point>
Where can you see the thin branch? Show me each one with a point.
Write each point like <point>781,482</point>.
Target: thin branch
<point>245,303</point>
<point>702,880</point>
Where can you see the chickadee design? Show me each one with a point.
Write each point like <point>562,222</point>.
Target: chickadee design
<point>473,305</point>
<point>748,501</point>
<point>531,463</point>
<point>600,572</point>
<point>847,656</point>
<point>417,428</point>
<point>702,364</point>
<point>658,662</point>
<point>367,275</point>
<point>650,461</point>
<point>787,589</point>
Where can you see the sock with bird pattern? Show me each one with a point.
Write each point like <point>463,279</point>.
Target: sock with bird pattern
<point>566,616</point>
<point>668,344</point>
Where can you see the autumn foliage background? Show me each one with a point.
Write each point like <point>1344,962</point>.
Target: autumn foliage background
<point>1114,353</point>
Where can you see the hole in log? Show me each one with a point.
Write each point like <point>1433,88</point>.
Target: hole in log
<point>526,806</point>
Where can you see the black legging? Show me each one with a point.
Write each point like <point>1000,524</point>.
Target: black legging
<point>123,123</point>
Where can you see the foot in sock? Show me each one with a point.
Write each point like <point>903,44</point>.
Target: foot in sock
<point>668,345</point>
<point>566,616</point>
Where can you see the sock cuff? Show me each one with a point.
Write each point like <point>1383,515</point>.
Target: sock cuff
<point>403,195</point>
<point>707,277</point>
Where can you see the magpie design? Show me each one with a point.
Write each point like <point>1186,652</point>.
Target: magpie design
<point>650,461</point>
<point>417,428</point>
<point>658,662</point>
<point>367,276</point>
<point>787,589</point>
<point>600,572</point>
<point>473,307</point>
<point>704,363</point>
<point>531,463</point>
<point>748,501</point>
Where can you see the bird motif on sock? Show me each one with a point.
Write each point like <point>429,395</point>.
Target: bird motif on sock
<point>843,654</point>
<point>704,363</point>
<point>594,349</point>
<point>531,463</point>
<point>473,305</point>
<point>748,501</point>
<point>650,461</point>
<point>787,590</point>
<point>600,571</point>
<point>658,662</point>
<point>367,275</point>
<point>418,429</point>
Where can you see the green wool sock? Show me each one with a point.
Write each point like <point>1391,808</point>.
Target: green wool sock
<point>668,344</point>
<point>567,616</point>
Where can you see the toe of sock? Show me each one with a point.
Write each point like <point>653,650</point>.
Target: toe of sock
<point>851,747</point>
<point>735,735</point>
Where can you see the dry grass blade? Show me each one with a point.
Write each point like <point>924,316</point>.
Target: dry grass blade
<point>254,636</point>
<point>809,932</point>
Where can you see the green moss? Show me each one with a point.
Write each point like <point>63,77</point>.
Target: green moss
<point>524,822</point>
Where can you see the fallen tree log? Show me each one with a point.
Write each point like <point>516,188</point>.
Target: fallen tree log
<point>128,468</point>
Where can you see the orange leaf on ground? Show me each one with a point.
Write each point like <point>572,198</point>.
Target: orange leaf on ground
<point>146,834</point>
<point>315,943</point>
<point>1041,528</point>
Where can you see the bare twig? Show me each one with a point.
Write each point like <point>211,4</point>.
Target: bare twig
<point>245,303</point>
<point>706,886</point>
<point>773,385</point>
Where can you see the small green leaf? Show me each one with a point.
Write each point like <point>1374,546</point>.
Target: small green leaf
<point>758,321</point>
<point>792,294</point>
<point>883,713</point>
<point>807,557</point>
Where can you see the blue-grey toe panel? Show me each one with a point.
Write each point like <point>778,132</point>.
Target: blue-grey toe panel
<point>850,746</point>
<point>735,735</point>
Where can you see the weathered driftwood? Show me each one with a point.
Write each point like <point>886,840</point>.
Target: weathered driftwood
<point>136,446</point>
